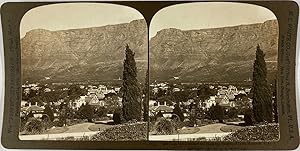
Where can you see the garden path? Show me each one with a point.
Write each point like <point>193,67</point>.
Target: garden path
<point>211,128</point>
<point>83,127</point>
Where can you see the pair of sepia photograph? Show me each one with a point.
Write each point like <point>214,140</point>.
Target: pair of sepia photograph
<point>201,71</point>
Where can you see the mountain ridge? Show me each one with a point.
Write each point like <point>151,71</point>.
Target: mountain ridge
<point>97,53</point>
<point>98,50</point>
<point>213,54</point>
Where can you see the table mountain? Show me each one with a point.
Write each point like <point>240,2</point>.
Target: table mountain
<point>217,54</point>
<point>83,54</point>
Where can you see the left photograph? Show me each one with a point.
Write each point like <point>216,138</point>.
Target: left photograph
<point>84,73</point>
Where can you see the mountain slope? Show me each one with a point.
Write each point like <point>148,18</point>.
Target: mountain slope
<point>83,54</point>
<point>218,54</point>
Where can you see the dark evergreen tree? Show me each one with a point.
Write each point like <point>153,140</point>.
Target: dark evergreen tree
<point>131,99</point>
<point>203,94</point>
<point>178,112</point>
<point>262,98</point>
<point>219,112</point>
<point>180,96</point>
<point>248,117</point>
<point>86,112</point>
<point>75,92</point>
<point>193,114</point>
<point>160,93</point>
<point>145,101</point>
<point>216,112</point>
<point>49,112</point>
<point>117,116</point>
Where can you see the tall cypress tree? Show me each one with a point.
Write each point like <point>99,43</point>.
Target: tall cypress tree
<point>145,102</point>
<point>131,93</point>
<point>262,98</point>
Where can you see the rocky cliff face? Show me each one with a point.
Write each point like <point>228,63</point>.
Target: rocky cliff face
<point>83,54</point>
<point>219,54</point>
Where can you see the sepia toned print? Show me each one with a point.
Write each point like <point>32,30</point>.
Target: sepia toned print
<point>83,73</point>
<point>213,73</point>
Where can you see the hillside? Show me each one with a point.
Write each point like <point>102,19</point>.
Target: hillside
<point>218,54</point>
<point>83,54</point>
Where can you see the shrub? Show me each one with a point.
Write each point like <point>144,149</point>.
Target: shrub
<point>158,115</point>
<point>151,126</point>
<point>248,117</point>
<point>100,112</point>
<point>117,117</point>
<point>164,127</point>
<point>177,124</point>
<point>268,132</point>
<point>58,123</point>
<point>152,118</point>
<point>86,112</point>
<point>47,123</point>
<point>216,113</point>
<point>177,111</point>
<point>219,113</point>
<point>124,132</point>
<point>49,112</point>
<point>188,123</point>
<point>22,124</point>
<point>232,113</point>
<point>34,126</point>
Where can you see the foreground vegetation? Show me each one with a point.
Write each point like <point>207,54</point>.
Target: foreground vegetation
<point>125,132</point>
<point>269,132</point>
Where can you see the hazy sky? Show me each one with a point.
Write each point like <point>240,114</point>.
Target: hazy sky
<point>76,15</point>
<point>208,15</point>
<point>184,16</point>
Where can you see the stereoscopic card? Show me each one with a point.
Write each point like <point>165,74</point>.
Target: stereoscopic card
<point>150,75</point>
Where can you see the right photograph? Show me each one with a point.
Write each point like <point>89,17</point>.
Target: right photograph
<point>213,73</point>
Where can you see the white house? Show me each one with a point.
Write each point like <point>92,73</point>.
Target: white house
<point>23,103</point>
<point>248,90</point>
<point>210,102</point>
<point>151,102</point>
<point>155,90</point>
<point>103,89</point>
<point>176,89</point>
<point>79,102</point>
<point>26,91</point>
<point>117,89</point>
<point>47,90</point>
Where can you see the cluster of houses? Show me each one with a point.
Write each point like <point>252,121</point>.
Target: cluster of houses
<point>225,97</point>
<point>97,96</point>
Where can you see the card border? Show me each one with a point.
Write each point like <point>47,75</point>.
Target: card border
<point>12,12</point>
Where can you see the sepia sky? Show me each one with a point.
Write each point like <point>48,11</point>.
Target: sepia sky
<point>208,15</point>
<point>76,15</point>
